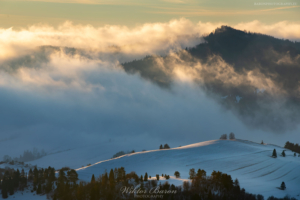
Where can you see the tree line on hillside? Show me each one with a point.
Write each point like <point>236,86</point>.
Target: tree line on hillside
<point>121,153</point>
<point>110,186</point>
<point>13,180</point>
<point>166,146</point>
<point>27,156</point>
<point>117,185</point>
<point>231,136</point>
<point>293,147</point>
<point>274,154</point>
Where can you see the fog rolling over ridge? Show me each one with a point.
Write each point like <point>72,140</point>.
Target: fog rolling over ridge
<point>85,84</point>
<point>254,75</point>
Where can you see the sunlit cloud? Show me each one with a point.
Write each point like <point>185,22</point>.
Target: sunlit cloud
<point>90,47</point>
<point>283,29</point>
<point>71,79</point>
<point>146,39</point>
<point>149,38</point>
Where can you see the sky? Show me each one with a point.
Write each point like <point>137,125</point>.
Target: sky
<point>130,13</point>
<point>61,74</point>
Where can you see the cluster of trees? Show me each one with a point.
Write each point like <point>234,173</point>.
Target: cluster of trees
<point>27,156</point>
<point>231,136</point>
<point>106,186</point>
<point>121,153</point>
<point>110,186</point>
<point>165,176</point>
<point>216,186</point>
<point>166,146</point>
<point>284,198</point>
<point>274,154</point>
<point>12,180</point>
<point>42,179</point>
<point>200,173</point>
<point>293,147</point>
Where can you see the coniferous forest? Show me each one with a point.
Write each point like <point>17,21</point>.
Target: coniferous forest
<point>292,147</point>
<point>117,184</point>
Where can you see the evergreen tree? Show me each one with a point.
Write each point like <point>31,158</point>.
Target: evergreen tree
<point>121,174</point>
<point>157,177</point>
<point>73,176</point>
<point>104,180</point>
<point>283,153</point>
<point>236,182</point>
<point>30,175</point>
<point>231,136</point>
<point>116,173</point>
<point>260,197</point>
<point>262,142</point>
<point>93,179</point>
<point>186,186</point>
<point>146,177</point>
<point>93,194</point>
<point>11,188</point>
<point>4,188</point>
<point>111,179</point>
<point>166,146</point>
<point>4,193</point>
<point>16,178</point>
<point>39,189</point>
<point>52,176</point>
<point>192,173</point>
<point>61,177</point>
<point>274,155</point>
<point>210,197</point>
<point>161,146</point>
<point>283,186</point>
<point>201,173</point>
<point>141,179</point>
<point>177,174</point>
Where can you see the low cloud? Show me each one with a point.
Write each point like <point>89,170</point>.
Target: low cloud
<point>282,30</point>
<point>70,79</point>
<point>253,75</point>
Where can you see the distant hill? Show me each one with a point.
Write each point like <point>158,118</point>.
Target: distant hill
<point>257,75</point>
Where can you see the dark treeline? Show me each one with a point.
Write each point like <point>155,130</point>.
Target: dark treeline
<point>27,156</point>
<point>166,146</point>
<point>117,185</point>
<point>12,180</point>
<point>292,146</point>
<point>42,181</point>
<point>121,153</point>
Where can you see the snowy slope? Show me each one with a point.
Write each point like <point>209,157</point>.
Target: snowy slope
<point>250,162</point>
<point>69,150</point>
<point>26,195</point>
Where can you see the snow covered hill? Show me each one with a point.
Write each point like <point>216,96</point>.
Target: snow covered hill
<point>250,162</point>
